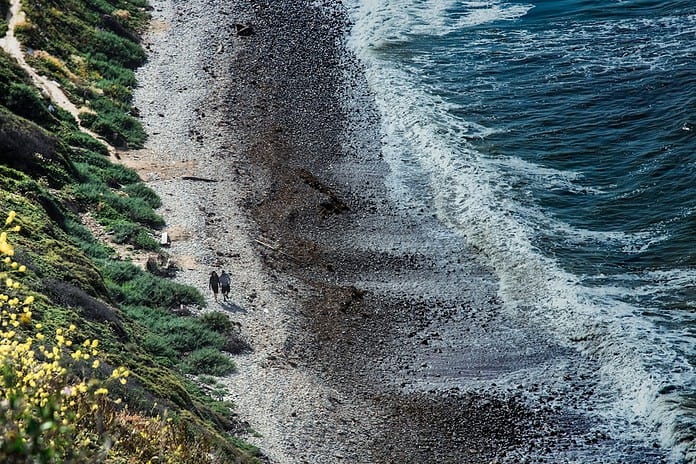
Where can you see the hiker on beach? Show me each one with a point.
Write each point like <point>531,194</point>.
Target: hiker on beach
<point>214,284</point>
<point>225,284</point>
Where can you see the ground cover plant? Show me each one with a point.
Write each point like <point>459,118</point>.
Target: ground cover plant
<point>72,337</point>
<point>91,49</point>
<point>75,298</point>
<point>78,282</point>
<point>4,9</point>
<point>55,398</point>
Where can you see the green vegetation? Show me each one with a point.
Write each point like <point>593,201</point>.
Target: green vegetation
<point>4,9</point>
<point>91,49</point>
<point>53,176</point>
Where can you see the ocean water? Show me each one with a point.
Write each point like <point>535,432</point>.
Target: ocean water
<point>558,138</point>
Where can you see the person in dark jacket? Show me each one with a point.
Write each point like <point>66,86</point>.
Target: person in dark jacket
<point>225,284</point>
<point>214,284</point>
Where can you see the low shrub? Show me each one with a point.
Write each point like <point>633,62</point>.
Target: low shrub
<point>158,347</point>
<point>142,191</point>
<point>85,240</point>
<point>102,171</point>
<point>107,46</point>
<point>138,210</point>
<point>111,72</point>
<point>207,361</point>
<point>119,272</point>
<point>186,334</point>
<point>143,240</point>
<point>116,91</point>
<point>217,321</point>
<point>77,138</point>
<point>123,214</point>
<point>112,121</point>
<point>132,286</point>
<point>121,231</point>
<point>23,100</point>
<point>172,338</point>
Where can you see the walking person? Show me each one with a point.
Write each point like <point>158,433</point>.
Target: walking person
<point>225,284</point>
<point>214,284</point>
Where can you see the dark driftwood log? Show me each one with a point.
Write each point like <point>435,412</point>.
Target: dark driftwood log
<point>271,247</point>
<point>199,179</point>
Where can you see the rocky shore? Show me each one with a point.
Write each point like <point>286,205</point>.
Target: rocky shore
<point>361,315</point>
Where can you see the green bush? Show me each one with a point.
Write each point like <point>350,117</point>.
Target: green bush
<point>169,337</point>
<point>117,124</point>
<point>133,234</point>
<point>85,240</point>
<point>101,6</point>
<point>119,272</point>
<point>158,346</point>
<point>107,46</point>
<point>186,334</point>
<point>149,290</point>
<point>142,191</point>
<point>116,91</point>
<point>87,118</point>
<point>144,241</point>
<point>217,321</point>
<point>207,361</point>
<point>23,100</point>
<point>138,210</point>
<point>111,72</point>
<point>116,175</point>
<point>122,231</point>
<point>117,211</point>
<point>77,138</point>
<point>90,190</point>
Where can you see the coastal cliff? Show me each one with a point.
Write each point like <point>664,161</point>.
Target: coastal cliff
<point>97,366</point>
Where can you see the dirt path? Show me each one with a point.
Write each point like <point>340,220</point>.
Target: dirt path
<point>47,86</point>
<point>52,89</point>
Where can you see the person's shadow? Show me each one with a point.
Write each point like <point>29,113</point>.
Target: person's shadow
<point>231,307</point>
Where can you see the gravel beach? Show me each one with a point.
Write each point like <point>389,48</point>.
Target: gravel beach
<point>361,315</point>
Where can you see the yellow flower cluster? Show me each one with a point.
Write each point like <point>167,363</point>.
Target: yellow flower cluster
<point>38,382</point>
<point>5,248</point>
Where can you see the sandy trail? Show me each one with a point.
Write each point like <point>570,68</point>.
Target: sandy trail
<point>48,87</point>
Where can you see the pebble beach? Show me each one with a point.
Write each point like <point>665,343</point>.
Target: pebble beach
<point>360,314</point>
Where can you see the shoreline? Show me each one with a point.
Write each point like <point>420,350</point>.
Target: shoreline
<point>361,316</point>
<point>319,386</point>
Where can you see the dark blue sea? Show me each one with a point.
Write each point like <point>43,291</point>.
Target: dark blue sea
<point>558,139</point>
